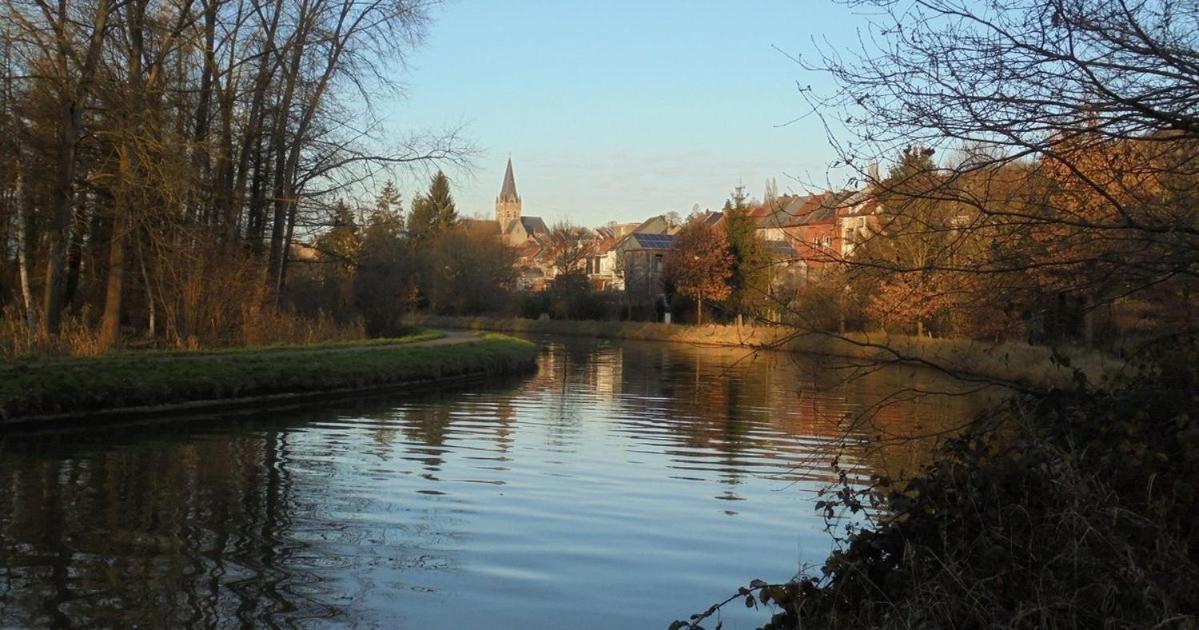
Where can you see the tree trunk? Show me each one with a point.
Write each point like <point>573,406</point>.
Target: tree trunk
<point>110,323</point>
<point>68,143</point>
<point>75,259</point>
<point>23,254</point>
<point>699,312</point>
<point>251,142</point>
<point>201,159</point>
<point>150,307</point>
<point>1088,323</point>
<point>127,170</point>
<point>284,167</point>
<point>62,212</point>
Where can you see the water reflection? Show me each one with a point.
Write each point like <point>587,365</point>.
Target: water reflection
<point>623,485</point>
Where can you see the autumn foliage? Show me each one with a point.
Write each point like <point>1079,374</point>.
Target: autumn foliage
<point>699,264</point>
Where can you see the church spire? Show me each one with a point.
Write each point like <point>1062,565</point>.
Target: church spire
<point>507,205</point>
<point>508,191</point>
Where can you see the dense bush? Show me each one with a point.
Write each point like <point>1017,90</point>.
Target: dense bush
<point>1070,509</point>
<point>570,296</point>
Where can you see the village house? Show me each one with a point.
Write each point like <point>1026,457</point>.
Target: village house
<point>824,228</point>
<point>601,265</point>
<point>857,221</point>
<point>515,228</point>
<point>803,234</point>
<point>640,257</point>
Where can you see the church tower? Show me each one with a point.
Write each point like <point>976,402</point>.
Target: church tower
<point>507,205</point>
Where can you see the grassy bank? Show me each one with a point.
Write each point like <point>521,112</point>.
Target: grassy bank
<point>417,335</point>
<point>1007,361</point>
<point>30,390</point>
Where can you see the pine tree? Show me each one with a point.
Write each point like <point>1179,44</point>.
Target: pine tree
<point>750,279</point>
<point>389,203</point>
<point>434,212</point>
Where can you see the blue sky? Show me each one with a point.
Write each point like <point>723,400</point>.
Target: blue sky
<point>619,110</point>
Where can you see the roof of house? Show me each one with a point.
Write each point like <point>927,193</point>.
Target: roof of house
<point>604,245</point>
<point>531,225</point>
<point>624,229</point>
<point>653,225</point>
<point>714,218</point>
<point>653,241</point>
<point>859,203</point>
<point>816,209</point>
<point>605,232</point>
<point>534,225</point>
<point>530,249</point>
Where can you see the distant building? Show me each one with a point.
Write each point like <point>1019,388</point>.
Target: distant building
<point>601,266</point>
<point>640,258</point>
<point>522,229</point>
<point>507,204</point>
<point>515,228</point>
<point>857,220</point>
<point>823,228</point>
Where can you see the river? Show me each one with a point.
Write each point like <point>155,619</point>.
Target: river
<point>624,485</point>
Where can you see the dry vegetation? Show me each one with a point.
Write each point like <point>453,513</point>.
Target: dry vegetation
<point>1012,362</point>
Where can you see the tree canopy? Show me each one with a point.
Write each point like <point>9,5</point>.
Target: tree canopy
<point>699,263</point>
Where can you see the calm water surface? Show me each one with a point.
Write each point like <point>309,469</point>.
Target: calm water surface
<point>623,486</point>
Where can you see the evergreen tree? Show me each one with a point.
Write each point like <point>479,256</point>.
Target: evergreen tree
<point>389,205</point>
<point>750,279</point>
<point>433,212</point>
<point>339,250</point>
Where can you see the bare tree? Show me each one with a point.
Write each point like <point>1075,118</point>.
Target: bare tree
<point>569,246</point>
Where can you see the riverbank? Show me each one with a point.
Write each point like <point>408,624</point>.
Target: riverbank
<point>1011,362</point>
<point>1071,509</point>
<point>73,391</point>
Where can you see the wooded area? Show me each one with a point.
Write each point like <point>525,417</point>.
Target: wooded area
<point>1048,184</point>
<point>162,156</point>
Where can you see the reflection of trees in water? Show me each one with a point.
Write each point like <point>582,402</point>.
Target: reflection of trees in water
<point>427,426</point>
<point>153,534</point>
<point>801,411</point>
<point>237,527</point>
<point>240,527</point>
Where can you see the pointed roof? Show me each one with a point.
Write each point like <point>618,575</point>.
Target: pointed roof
<point>508,191</point>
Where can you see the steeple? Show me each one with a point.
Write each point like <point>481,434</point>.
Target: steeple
<point>508,191</point>
<point>507,205</point>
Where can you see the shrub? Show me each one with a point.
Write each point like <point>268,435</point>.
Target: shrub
<point>1070,509</point>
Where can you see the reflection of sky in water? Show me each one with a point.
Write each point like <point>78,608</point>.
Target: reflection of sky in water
<point>624,485</point>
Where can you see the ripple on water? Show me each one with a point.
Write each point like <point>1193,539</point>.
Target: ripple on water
<point>624,485</point>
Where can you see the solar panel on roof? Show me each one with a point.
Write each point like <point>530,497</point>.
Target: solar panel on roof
<point>655,241</point>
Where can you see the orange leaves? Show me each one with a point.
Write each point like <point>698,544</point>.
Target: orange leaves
<point>700,263</point>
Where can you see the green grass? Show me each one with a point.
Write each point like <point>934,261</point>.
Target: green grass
<point>417,334</point>
<point>141,379</point>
